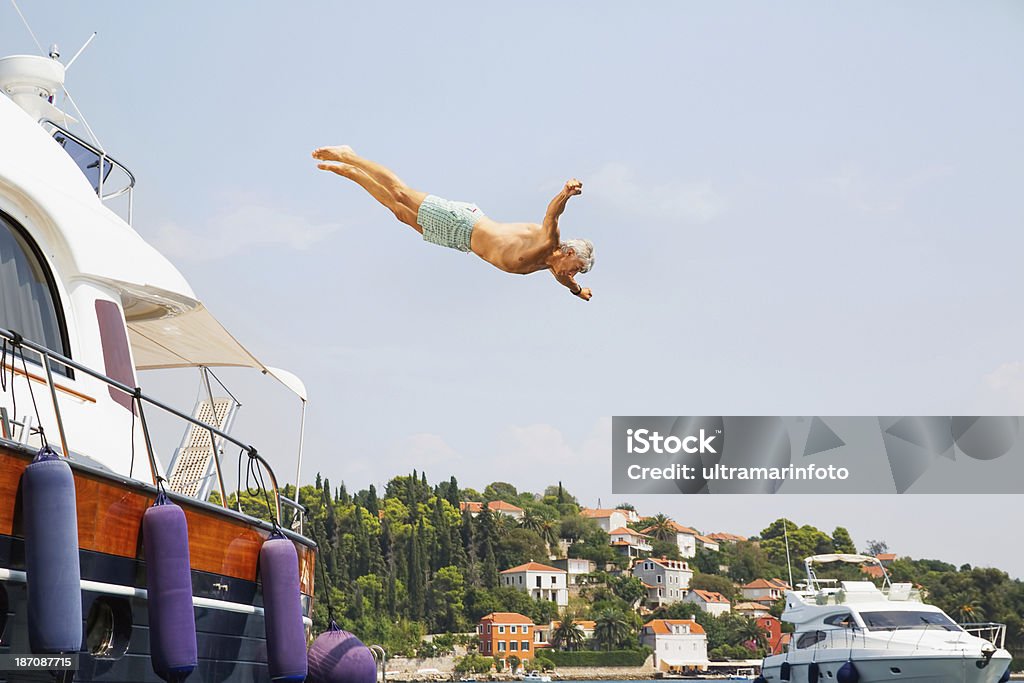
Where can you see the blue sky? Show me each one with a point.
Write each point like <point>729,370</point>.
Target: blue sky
<point>797,209</point>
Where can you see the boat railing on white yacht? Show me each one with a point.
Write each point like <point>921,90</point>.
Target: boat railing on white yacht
<point>989,630</point>
<point>96,164</point>
<point>50,358</point>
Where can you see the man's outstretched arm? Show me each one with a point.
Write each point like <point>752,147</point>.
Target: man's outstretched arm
<point>572,188</point>
<point>577,290</point>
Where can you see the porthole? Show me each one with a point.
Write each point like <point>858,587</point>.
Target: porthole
<point>108,628</point>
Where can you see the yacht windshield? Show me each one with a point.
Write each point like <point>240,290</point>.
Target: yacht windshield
<point>894,621</point>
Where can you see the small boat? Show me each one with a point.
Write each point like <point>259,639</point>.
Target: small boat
<point>743,675</point>
<point>536,677</point>
<point>854,630</point>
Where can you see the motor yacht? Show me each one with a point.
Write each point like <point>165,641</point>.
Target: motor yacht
<point>856,631</point>
<point>86,305</point>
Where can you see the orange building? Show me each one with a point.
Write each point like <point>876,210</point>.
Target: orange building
<point>503,634</point>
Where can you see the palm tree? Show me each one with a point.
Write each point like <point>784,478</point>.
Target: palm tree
<point>662,527</point>
<point>568,635</point>
<point>531,520</point>
<point>549,533</point>
<point>611,628</point>
<point>750,632</point>
<point>970,612</point>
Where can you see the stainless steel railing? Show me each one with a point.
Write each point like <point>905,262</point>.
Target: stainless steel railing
<point>139,399</point>
<point>104,160</point>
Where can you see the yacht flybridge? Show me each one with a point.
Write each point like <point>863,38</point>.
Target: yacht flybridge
<point>851,631</point>
<point>86,303</point>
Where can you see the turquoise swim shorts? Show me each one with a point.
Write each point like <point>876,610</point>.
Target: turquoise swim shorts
<point>448,223</point>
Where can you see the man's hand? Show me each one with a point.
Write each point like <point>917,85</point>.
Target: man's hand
<point>585,294</point>
<point>573,187</point>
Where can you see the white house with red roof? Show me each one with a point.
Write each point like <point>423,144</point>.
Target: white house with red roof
<point>628,542</point>
<point>712,602</point>
<point>685,538</point>
<point>707,543</point>
<point>722,537</point>
<point>666,580</point>
<point>765,591</point>
<point>496,506</point>
<point>538,580</point>
<point>610,519</point>
<point>678,644</point>
<point>751,610</point>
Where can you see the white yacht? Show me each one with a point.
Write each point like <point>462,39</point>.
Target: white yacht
<point>85,305</point>
<point>850,631</point>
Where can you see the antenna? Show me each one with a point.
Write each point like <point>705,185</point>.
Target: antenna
<point>25,21</point>
<point>80,51</point>
<point>789,563</point>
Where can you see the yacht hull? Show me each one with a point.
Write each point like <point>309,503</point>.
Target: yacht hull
<point>224,549</point>
<point>875,666</point>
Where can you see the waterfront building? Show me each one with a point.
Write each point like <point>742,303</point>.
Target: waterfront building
<point>503,634</point>
<point>678,644</point>
<point>544,632</point>
<point>540,581</point>
<point>772,628</point>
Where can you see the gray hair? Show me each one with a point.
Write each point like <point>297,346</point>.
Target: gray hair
<point>582,248</point>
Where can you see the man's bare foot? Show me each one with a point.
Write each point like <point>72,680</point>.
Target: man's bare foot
<point>342,170</point>
<point>341,153</point>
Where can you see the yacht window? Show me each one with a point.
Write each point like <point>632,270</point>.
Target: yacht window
<point>843,620</point>
<point>86,159</point>
<point>898,620</point>
<point>27,298</point>
<point>810,639</point>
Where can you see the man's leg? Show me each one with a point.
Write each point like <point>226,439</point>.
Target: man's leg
<point>381,174</point>
<point>378,191</point>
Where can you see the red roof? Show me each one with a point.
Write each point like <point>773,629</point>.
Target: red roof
<point>533,567</point>
<point>710,596</point>
<point>749,606</point>
<point>623,530</point>
<point>496,505</point>
<point>596,513</point>
<point>662,626</point>
<point>763,583</point>
<point>675,526</point>
<point>500,505</point>
<point>873,570</point>
<point>506,618</point>
<point>722,536</point>
<point>886,557</point>
<point>583,624</point>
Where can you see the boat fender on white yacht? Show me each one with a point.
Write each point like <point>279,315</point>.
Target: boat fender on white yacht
<point>172,620</point>
<point>848,673</point>
<point>51,555</point>
<point>282,607</point>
